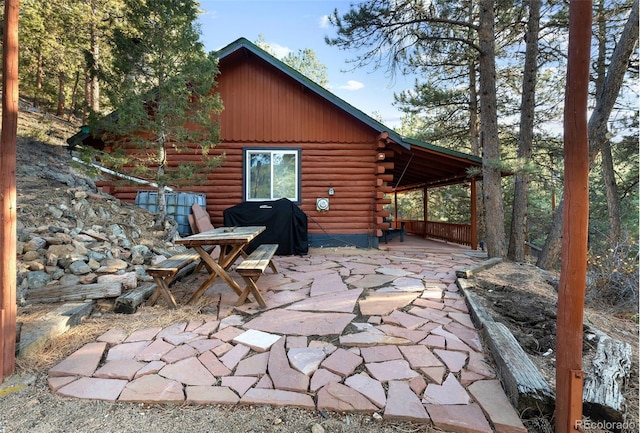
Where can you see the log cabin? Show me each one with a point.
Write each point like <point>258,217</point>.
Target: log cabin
<point>346,165</point>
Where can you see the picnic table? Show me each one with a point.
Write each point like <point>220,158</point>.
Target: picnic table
<point>232,242</point>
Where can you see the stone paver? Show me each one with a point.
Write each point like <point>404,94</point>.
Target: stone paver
<point>255,365</point>
<point>94,388</point>
<point>240,384</point>
<point>301,322</point>
<point>380,353</point>
<point>83,362</point>
<point>282,375</point>
<point>450,392</point>
<point>322,377</point>
<point>123,369</point>
<point>413,355</point>
<point>200,394</point>
<point>459,419</point>
<point>277,397</point>
<point>493,401</point>
<point>154,351</point>
<point>342,362</point>
<point>306,359</point>
<point>153,388</point>
<point>256,340</point>
<point>391,370</point>
<point>343,301</point>
<point>403,404</point>
<point>340,398</point>
<point>370,388</point>
<point>384,303</point>
<point>189,371</point>
<point>366,339</point>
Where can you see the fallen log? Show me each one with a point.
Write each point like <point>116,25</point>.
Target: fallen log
<point>605,378</point>
<point>80,292</point>
<point>468,273</point>
<point>528,391</point>
<point>35,334</point>
<point>129,302</point>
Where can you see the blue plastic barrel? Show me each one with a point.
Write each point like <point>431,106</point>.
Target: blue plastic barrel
<point>178,206</point>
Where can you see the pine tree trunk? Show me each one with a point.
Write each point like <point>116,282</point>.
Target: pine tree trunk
<point>597,123</point>
<point>492,188</point>
<point>95,84</point>
<point>39,79</point>
<point>61,102</point>
<point>613,198</point>
<point>527,112</point>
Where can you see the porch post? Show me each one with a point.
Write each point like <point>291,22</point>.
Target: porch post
<point>474,216</point>
<point>425,209</point>
<point>395,208</point>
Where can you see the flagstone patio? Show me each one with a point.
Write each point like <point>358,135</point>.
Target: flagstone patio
<point>344,330</point>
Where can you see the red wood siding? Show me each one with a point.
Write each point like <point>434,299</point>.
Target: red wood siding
<point>263,105</point>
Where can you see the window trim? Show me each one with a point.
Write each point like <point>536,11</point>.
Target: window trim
<point>246,151</point>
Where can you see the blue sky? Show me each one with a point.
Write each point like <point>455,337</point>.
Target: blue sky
<point>292,25</point>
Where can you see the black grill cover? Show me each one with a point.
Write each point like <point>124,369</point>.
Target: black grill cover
<point>286,224</point>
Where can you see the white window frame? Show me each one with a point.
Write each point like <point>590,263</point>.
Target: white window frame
<point>247,172</point>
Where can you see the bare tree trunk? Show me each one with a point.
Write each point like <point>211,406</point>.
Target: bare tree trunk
<point>87,96</point>
<point>473,110</point>
<point>492,188</point>
<point>608,172</point>
<point>611,191</point>
<point>519,224</point>
<point>61,103</point>
<point>74,95</point>
<point>598,122</point>
<point>95,84</point>
<point>39,79</point>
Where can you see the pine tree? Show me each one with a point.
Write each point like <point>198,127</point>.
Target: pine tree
<point>161,89</point>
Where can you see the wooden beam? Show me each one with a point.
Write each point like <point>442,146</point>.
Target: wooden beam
<point>8,235</point>
<point>474,215</point>
<point>573,268</point>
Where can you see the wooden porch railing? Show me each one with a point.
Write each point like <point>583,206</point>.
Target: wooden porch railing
<point>451,232</point>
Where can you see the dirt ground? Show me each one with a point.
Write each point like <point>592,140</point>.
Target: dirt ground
<point>524,298</point>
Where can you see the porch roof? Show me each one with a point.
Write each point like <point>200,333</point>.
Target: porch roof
<point>427,165</point>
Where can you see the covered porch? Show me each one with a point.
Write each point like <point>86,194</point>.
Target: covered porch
<point>424,167</point>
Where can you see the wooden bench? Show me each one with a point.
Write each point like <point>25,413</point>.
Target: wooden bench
<point>253,267</point>
<point>391,232</point>
<point>165,272</point>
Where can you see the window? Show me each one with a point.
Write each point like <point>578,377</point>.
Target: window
<point>272,174</point>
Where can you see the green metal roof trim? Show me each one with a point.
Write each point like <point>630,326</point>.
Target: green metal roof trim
<point>444,150</point>
<point>310,84</point>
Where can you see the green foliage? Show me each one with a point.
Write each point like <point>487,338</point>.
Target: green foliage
<point>445,204</point>
<point>161,89</point>
<point>613,276</point>
<point>303,61</point>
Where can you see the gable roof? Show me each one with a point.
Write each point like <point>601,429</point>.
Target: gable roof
<point>243,43</point>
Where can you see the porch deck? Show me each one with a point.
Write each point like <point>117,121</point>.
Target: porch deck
<point>417,243</point>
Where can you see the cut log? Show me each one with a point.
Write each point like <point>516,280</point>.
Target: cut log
<point>468,273</point>
<point>36,333</point>
<point>78,292</point>
<point>528,391</point>
<point>479,314</point>
<point>605,378</point>
<point>129,302</point>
